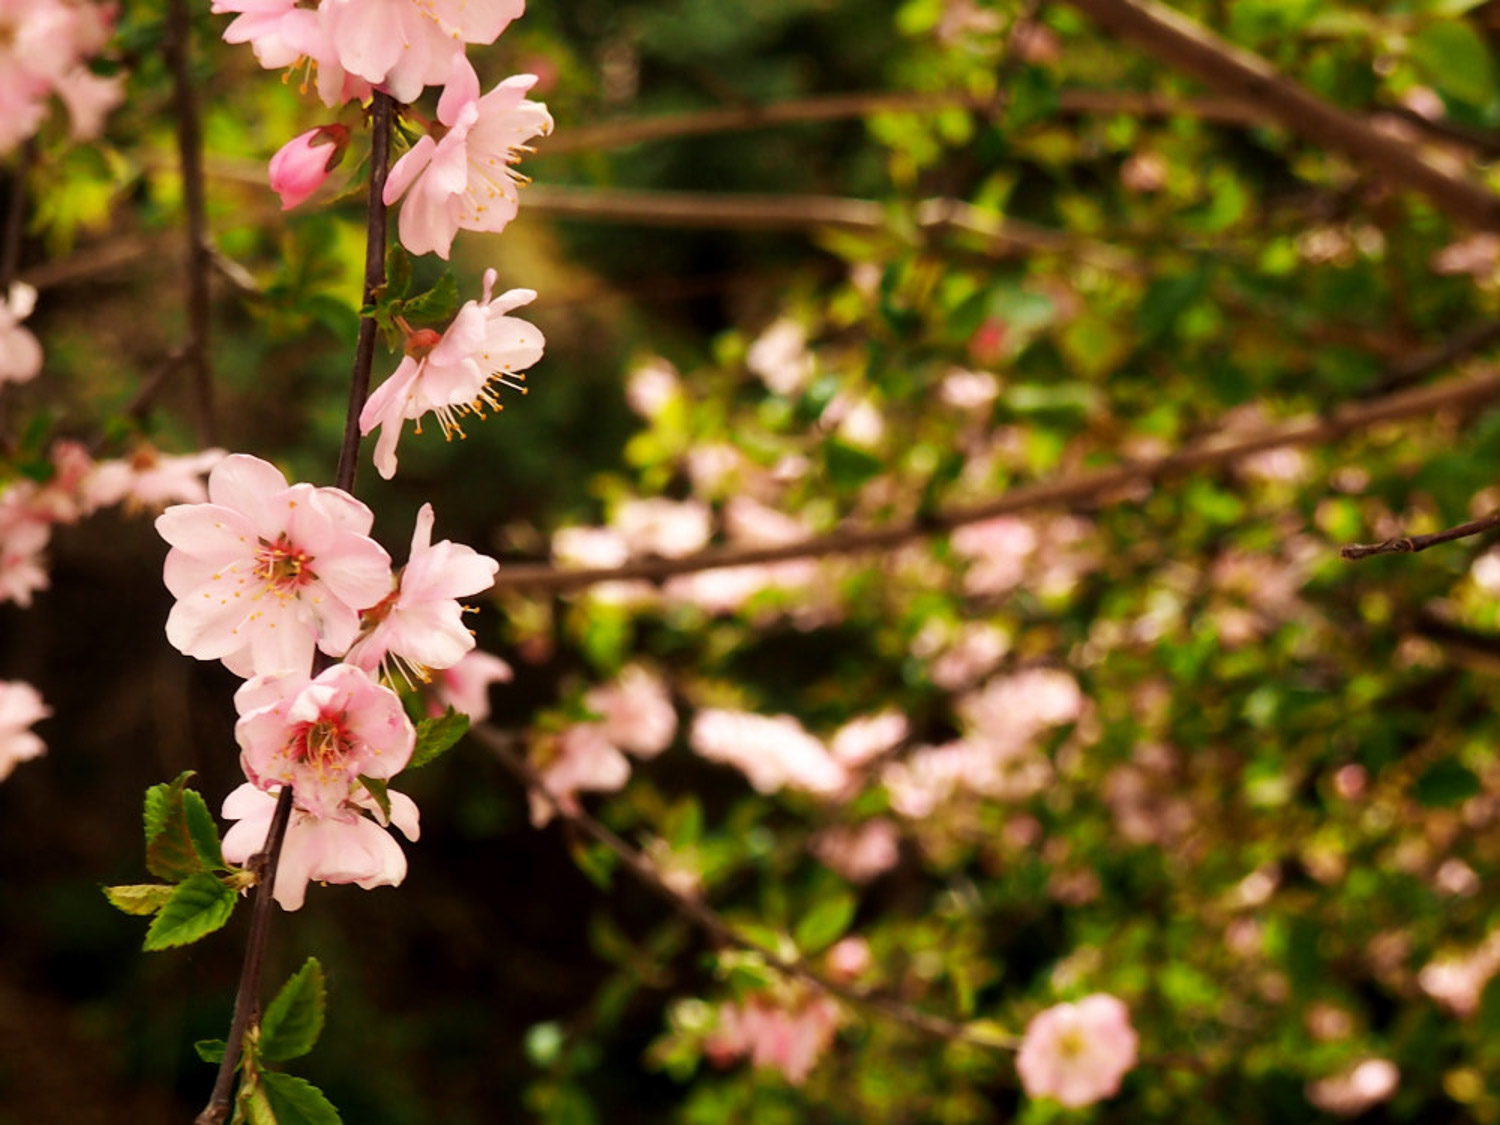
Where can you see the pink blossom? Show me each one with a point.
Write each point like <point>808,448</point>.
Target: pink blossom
<point>24,534</point>
<point>149,478</point>
<point>771,752</point>
<point>347,847</point>
<point>43,47</point>
<point>465,181</point>
<point>997,551</point>
<point>1077,1053</point>
<point>849,958</point>
<point>419,625</point>
<point>20,706</point>
<point>781,359</point>
<point>776,1037</point>
<point>1349,1094</point>
<point>869,736</point>
<point>652,386</point>
<point>637,712</point>
<point>668,528</point>
<point>261,24</point>
<point>465,686</point>
<point>583,759</point>
<point>393,44</point>
<point>859,853</point>
<point>89,98</point>
<point>321,736</point>
<point>20,354</point>
<point>265,571</point>
<point>302,164</point>
<point>460,372</point>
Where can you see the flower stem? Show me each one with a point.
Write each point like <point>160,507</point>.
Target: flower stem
<point>265,862</point>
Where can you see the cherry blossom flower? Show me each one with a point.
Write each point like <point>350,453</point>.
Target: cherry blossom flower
<point>465,686</point>
<point>465,181</point>
<point>457,373</point>
<point>88,98</point>
<point>780,358</point>
<point>20,706</point>
<point>320,736</point>
<point>867,737</point>
<point>43,47</point>
<point>637,712</point>
<point>346,847</point>
<point>859,853</point>
<point>1357,1089</point>
<point>419,625</point>
<point>149,478</point>
<point>265,571</point>
<point>771,752</point>
<point>24,534</point>
<point>666,528</point>
<point>652,386</point>
<point>302,164</point>
<point>849,958</point>
<point>20,354</point>
<point>583,759</point>
<point>789,1039</point>
<point>1078,1053</point>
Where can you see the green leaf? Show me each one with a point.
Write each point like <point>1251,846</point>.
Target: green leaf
<point>825,923</point>
<point>436,305</point>
<point>170,850</point>
<point>199,905</point>
<point>848,466</point>
<point>211,1050</point>
<point>397,272</point>
<point>1166,300</point>
<point>202,830</point>
<point>294,1020</point>
<point>1456,61</point>
<point>378,789</point>
<point>436,736</point>
<point>296,1101</point>
<point>1445,783</point>
<point>138,898</point>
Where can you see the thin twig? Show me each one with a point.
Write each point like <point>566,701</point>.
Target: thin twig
<point>247,998</point>
<point>1097,487</point>
<point>15,217</point>
<point>1411,544</point>
<point>500,744</point>
<point>1405,372</point>
<point>199,267</point>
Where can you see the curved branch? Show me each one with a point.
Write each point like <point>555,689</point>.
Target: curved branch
<point>1093,487</point>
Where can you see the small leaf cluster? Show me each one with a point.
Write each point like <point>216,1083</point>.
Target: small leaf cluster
<point>393,310</point>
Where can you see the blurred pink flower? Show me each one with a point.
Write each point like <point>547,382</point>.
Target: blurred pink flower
<point>320,736</point>
<point>868,736</point>
<point>465,181</point>
<point>419,625</point>
<point>266,572</point>
<point>637,712</point>
<point>583,760</point>
<point>1357,1089</point>
<point>465,686</point>
<point>666,528</point>
<point>651,386</point>
<point>346,847</point>
<point>24,534</point>
<point>457,373</point>
<point>859,852</point>
<point>20,706</point>
<point>849,958</point>
<point>790,1040</point>
<point>771,752</point>
<point>149,478</point>
<point>20,354</point>
<point>779,356</point>
<point>1077,1053</point>
<point>89,98</point>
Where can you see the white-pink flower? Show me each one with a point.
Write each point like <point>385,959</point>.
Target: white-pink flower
<point>1357,1089</point>
<point>347,847</point>
<point>149,478</point>
<point>419,625</point>
<point>24,534</point>
<point>466,686</point>
<point>20,354</point>
<point>770,751</point>
<point>1078,1053</point>
<point>320,736</point>
<point>583,760</point>
<point>637,712</point>
<point>20,706</point>
<point>790,1039</point>
<point>465,181</point>
<point>266,572</point>
<point>457,373</point>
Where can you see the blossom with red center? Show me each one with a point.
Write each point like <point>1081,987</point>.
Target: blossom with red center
<point>1077,1053</point>
<point>266,572</point>
<point>419,625</point>
<point>346,847</point>
<point>321,736</point>
<point>460,372</point>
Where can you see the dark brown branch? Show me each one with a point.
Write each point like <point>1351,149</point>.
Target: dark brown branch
<point>1403,373</point>
<point>265,862</point>
<point>1411,544</point>
<point>501,745</point>
<point>1177,41</point>
<point>1094,488</point>
<point>199,268</point>
<point>14,227</point>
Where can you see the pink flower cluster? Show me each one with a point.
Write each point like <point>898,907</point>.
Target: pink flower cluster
<point>45,46</point>
<point>267,573</point>
<point>785,1035</point>
<point>1077,1053</point>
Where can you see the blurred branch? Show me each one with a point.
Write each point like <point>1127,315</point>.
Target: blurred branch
<point>1094,487</point>
<point>1405,372</point>
<point>178,49</point>
<point>503,746</point>
<point>14,226</point>
<point>1411,544</point>
<point>1181,43</point>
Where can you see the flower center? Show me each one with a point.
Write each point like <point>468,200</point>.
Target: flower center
<point>323,746</point>
<point>282,564</point>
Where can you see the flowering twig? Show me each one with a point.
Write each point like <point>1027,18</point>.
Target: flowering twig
<point>502,746</point>
<point>1093,487</point>
<point>1179,42</point>
<point>266,861</point>
<point>1411,544</point>
<point>199,268</point>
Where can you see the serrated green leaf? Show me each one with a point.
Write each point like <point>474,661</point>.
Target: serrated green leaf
<point>397,271</point>
<point>436,305</point>
<point>296,1101</point>
<point>138,898</point>
<point>256,1108</point>
<point>436,736</point>
<point>294,1019</point>
<point>825,923</point>
<point>211,1050</point>
<point>377,788</point>
<point>202,830</point>
<point>199,905</point>
<point>170,853</point>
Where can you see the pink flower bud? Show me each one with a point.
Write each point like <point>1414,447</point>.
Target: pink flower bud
<point>303,163</point>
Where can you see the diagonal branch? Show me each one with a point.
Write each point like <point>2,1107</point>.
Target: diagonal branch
<point>1101,486</point>
<point>502,746</point>
<point>1179,42</point>
<point>1412,544</point>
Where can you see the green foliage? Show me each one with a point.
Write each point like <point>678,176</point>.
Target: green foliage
<point>296,1101</point>
<point>199,905</point>
<point>294,1019</point>
<point>436,736</point>
<point>825,922</point>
